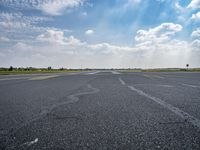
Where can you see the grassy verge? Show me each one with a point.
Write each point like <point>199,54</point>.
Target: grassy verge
<point>37,71</point>
<point>172,70</point>
<point>163,70</point>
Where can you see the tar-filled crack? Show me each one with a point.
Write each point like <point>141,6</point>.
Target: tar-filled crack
<point>73,98</point>
<point>58,117</point>
<point>174,122</point>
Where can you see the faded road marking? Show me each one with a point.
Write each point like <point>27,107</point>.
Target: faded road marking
<point>30,143</point>
<point>26,144</point>
<point>151,76</point>
<point>156,76</point>
<point>159,85</point>
<point>115,72</point>
<point>147,76</point>
<point>43,77</point>
<point>194,121</point>
<point>94,72</point>
<point>6,79</point>
<point>122,82</point>
<point>193,86</point>
<point>165,85</point>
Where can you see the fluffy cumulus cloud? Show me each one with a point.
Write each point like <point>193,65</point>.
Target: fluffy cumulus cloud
<point>194,4</point>
<point>196,33</point>
<point>89,32</point>
<point>57,37</point>
<point>196,16</point>
<point>51,7</point>
<point>158,34</point>
<point>33,33</point>
<point>196,42</point>
<point>154,47</point>
<point>186,13</point>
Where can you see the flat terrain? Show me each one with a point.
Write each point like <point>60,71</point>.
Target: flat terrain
<point>100,110</point>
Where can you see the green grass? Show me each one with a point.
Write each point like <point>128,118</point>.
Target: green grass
<point>36,71</point>
<point>40,71</point>
<point>131,70</point>
<point>163,70</point>
<point>172,70</point>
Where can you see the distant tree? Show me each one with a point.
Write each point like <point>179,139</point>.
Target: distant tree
<point>187,65</point>
<point>49,68</point>
<point>11,68</point>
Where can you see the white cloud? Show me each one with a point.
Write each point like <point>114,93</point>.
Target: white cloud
<point>18,26</point>
<point>89,32</point>
<point>155,48</point>
<point>52,36</point>
<point>179,7</point>
<point>51,7</point>
<point>16,22</point>
<point>4,39</point>
<point>22,46</point>
<point>196,44</point>
<point>196,16</point>
<point>196,33</point>
<point>161,0</point>
<point>194,4</point>
<point>158,34</point>
<point>83,14</point>
<point>57,37</point>
<point>55,7</point>
<point>134,1</point>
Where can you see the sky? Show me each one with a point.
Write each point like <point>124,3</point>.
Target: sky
<point>100,33</point>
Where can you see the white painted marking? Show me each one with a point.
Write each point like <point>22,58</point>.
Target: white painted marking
<point>165,85</point>
<point>151,76</point>
<point>94,72</point>
<point>30,143</point>
<point>194,121</point>
<point>115,72</point>
<point>43,77</point>
<point>6,79</point>
<point>122,82</point>
<point>161,85</point>
<point>193,86</point>
<point>147,76</point>
<point>158,76</point>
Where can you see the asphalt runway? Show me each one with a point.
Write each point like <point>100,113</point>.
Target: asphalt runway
<point>100,110</point>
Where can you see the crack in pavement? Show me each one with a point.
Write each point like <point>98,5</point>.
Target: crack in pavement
<point>73,99</point>
<point>173,122</point>
<point>58,117</point>
<point>194,121</point>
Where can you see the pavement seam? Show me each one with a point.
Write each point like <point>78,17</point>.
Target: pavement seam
<point>187,117</point>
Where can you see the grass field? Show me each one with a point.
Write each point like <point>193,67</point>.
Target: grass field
<point>162,70</point>
<point>39,71</point>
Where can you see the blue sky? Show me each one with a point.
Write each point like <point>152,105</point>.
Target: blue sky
<point>100,33</point>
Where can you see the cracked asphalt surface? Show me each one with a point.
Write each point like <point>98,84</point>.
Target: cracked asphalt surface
<point>98,110</point>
